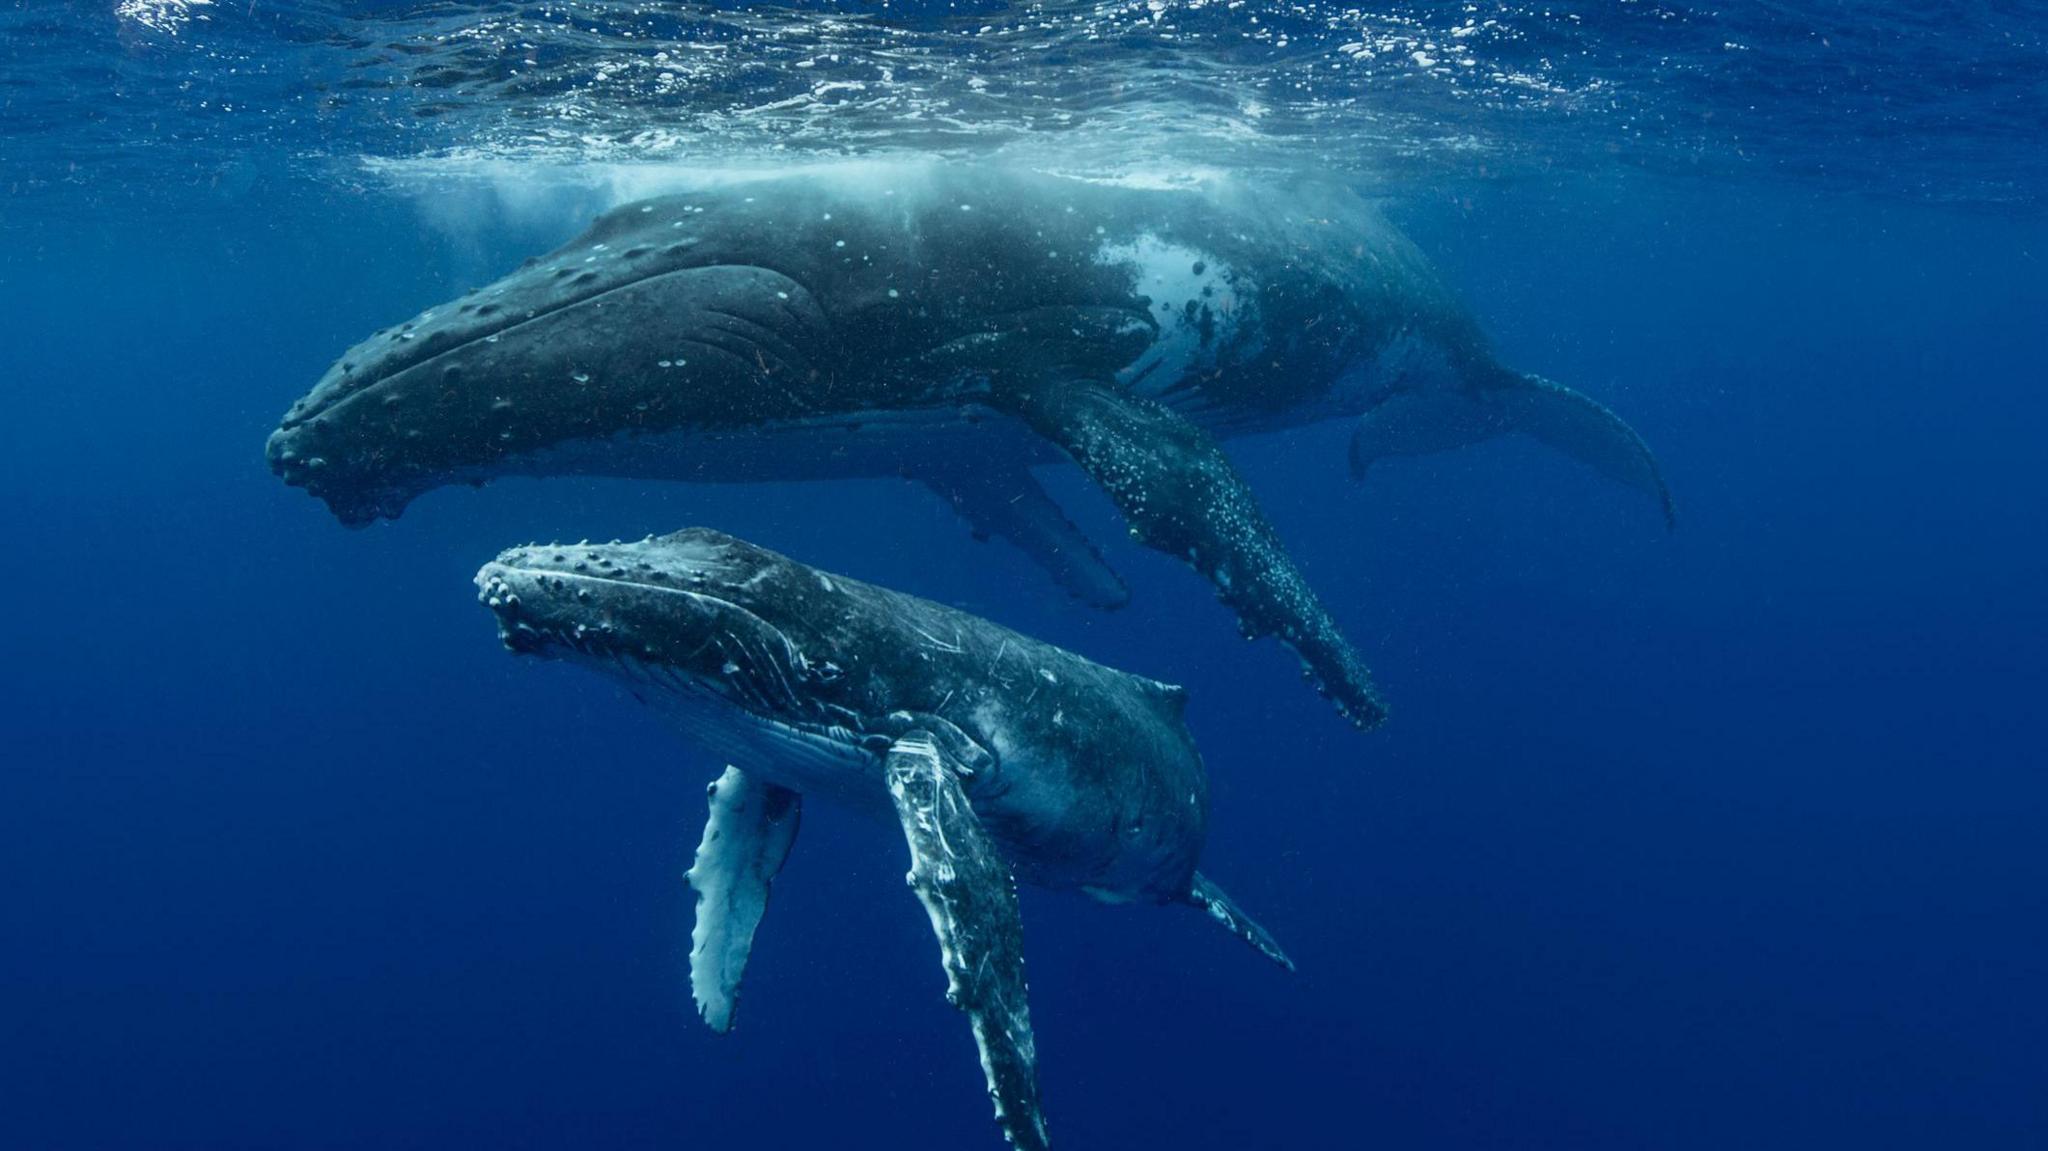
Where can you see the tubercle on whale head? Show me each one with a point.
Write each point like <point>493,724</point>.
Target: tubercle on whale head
<point>695,612</point>
<point>300,459</point>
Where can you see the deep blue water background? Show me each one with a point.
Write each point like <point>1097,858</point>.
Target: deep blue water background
<point>1730,837</point>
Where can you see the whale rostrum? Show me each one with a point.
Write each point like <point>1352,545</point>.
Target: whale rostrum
<point>1001,758</point>
<point>960,325</point>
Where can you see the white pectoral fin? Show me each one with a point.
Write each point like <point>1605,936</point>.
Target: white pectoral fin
<point>967,890</point>
<point>749,834</point>
<point>1427,420</point>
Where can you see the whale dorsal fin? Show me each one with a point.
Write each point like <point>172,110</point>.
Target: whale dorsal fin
<point>968,892</point>
<point>1180,495</point>
<point>749,834</point>
<point>1175,695</point>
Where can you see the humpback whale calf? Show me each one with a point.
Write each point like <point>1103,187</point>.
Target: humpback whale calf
<point>957,324</point>
<point>1001,758</point>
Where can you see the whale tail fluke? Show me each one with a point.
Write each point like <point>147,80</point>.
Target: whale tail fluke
<point>1429,420</point>
<point>1211,898</point>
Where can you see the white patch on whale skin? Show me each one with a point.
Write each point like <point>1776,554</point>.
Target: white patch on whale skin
<point>1173,275</point>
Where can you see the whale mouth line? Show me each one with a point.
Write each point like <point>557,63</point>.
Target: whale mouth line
<point>380,374</point>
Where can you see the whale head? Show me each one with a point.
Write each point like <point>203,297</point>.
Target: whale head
<point>643,324</point>
<point>740,646</point>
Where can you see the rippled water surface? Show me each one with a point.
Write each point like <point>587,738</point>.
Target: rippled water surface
<point>1927,102</point>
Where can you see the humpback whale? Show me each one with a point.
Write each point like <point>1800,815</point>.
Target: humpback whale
<point>1001,758</point>
<point>959,325</point>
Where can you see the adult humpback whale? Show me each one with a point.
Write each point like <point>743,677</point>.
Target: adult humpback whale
<point>996,754</point>
<point>957,324</point>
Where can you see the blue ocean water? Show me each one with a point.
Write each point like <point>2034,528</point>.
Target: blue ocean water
<point>1731,836</point>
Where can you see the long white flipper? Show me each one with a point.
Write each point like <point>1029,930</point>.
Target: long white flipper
<point>968,891</point>
<point>749,834</point>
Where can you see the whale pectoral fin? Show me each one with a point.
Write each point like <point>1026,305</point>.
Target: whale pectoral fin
<point>1004,499</point>
<point>748,836</point>
<point>1211,898</point>
<point>966,888</point>
<point>1181,496</point>
<point>1428,420</point>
